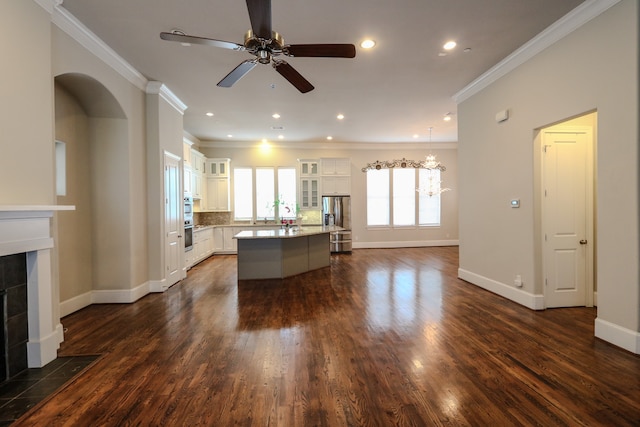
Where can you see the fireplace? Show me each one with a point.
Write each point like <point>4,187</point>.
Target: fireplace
<point>13,312</point>
<point>27,295</point>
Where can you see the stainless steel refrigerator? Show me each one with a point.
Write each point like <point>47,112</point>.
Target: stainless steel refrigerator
<point>336,210</point>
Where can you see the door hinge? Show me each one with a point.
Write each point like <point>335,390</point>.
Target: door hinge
<point>545,281</point>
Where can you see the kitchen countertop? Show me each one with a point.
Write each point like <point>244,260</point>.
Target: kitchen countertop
<point>269,225</point>
<point>286,234</point>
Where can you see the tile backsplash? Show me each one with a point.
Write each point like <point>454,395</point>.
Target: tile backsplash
<point>225,218</point>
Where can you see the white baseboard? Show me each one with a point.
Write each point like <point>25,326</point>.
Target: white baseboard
<point>617,335</point>
<point>158,285</point>
<point>529,300</point>
<point>122,296</point>
<point>403,244</point>
<point>74,304</point>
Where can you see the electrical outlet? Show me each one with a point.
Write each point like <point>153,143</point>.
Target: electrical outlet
<point>518,281</point>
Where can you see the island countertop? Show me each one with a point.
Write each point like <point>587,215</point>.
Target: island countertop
<point>286,234</point>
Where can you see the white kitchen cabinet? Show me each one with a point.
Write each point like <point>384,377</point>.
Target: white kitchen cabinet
<point>309,197</point>
<point>336,176</point>
<point>217,199</point>
<point>229,244</point>
<point>198,162</point>
<point>218,239</point>
<point>309,193</point>
<point>217,167</point>
<point>309,168</point>
<point>197,185</point>
<point>335,166</point>
<point>336,185</point>
<point>186,152</point>
<point>202,244</point>
<point>188,180</point>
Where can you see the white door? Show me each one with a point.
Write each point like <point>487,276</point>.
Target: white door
<point>566,220</point>
<point>173,220</point>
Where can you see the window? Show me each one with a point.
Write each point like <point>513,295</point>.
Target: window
<point>378,197</point>
<point>392,199</point>
<point>61,168</point>
<point>404,197</point>
<point>274,196</point>
<point>287,207</point>
<point>265,193</point>
<point>429,211</point>
<point>242,193</point>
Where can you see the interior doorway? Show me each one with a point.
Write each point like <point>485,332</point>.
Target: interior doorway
<point>567,212</point>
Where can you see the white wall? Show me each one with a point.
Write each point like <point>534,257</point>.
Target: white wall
<point>286,154</point>
<point>593,68</point>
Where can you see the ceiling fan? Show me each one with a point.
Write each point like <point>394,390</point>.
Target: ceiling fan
<point>266,45</point>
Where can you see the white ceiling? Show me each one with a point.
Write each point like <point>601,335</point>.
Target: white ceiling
<point>387,94</point>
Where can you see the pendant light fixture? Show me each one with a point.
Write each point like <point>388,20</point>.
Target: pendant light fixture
<point>430,183</point>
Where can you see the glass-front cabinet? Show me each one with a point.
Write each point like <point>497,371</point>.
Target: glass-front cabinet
<point>309,184</point>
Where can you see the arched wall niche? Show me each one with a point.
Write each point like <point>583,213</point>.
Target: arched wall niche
<point>93,241</point>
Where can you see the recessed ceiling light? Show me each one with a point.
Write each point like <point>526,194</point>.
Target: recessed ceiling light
<point>329,138</point>
<point>210,114</point>
<point>415,135</point>
<point>447,118</point>
<point>275,115</point>
<point>367,44</point>
<point>449,45</point>
<point>280,136</point>
<point>229,136</point>
<point>340,116</point>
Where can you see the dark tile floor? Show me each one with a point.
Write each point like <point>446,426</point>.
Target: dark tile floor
<point>33,385</point>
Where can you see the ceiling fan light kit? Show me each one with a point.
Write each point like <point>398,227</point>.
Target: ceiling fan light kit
<point>266,45</point>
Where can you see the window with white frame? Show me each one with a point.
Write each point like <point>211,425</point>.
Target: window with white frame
<point>392,199</point>
<point>264,193</point>
<point>243,194</point>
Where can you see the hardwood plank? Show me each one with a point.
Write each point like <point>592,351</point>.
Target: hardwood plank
<point>381,338</point>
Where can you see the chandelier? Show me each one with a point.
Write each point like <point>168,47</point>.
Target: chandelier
<point>431,185</point>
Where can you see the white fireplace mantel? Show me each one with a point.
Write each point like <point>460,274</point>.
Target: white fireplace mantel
<point>27,229</point>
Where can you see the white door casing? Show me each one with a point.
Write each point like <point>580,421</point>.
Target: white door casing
<point>173,220</point>
<point>567,220</point>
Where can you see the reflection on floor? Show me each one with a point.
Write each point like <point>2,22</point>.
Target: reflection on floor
<point>32,386</point>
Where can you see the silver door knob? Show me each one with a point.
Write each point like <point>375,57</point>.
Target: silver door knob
<point>583,242</point>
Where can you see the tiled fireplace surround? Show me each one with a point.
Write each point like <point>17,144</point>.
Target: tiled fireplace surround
<point>27,230</point>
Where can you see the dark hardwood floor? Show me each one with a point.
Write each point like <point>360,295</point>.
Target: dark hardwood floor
<point>381,338</point>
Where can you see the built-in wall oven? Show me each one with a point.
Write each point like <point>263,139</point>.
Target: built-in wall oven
<point>188,223</point>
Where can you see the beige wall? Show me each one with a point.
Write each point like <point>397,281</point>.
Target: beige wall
<point>593,68</point>
<point>26,122</point>
<point>288,154</point>
<point>75,237</point>
<point>164,134</point>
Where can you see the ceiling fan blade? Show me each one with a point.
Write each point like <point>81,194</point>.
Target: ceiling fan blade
<point>183,38</point>
<point>260,16</point>
<point>294,77</point>
<point>239,72</point>
<point>321,50</point>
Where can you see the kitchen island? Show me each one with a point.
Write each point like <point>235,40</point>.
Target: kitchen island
<point>276,254</point>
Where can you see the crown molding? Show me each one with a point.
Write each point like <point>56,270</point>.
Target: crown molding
<point>48,5</point>
<point>80,33</point>
<point>158,88</point>
<point>332,145</point>
<point>552,34</point>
